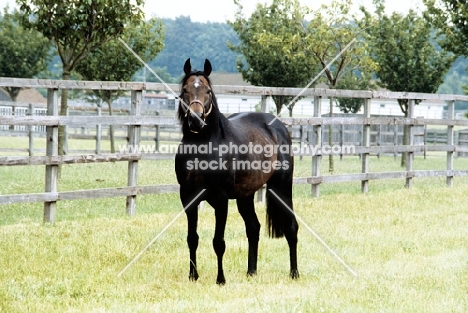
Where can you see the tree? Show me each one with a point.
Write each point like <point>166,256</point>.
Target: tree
<point>77,27</point>
<point>270,53</point>
<point>450,19</point>
<point>24,53</point>
<point>408,59</point>
<point>113,62</point>
<point>331,29</point>
<point>283,49</point>
<point>353,81</point>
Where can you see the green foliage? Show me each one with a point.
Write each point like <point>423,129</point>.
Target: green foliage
<point>353,81</point>
<point>455,80</point>
<point>24,53</point>
<point>113,62</point>
<point>197,41</point>
<point>283,49</point>
<point>402,47</point>
<point>450,19</point>
<point>330,30</point>
<point>272,54</point>
<point>267,41</point>
<point>79,26</point>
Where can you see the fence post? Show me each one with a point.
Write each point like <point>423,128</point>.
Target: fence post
<point>410,154</point>
<point>31,131</point>
<point>157,137</point>
<point>316,159</point>
<point>450,141</point>
<point>51,172</point>
<point>65,139</point>
<point>98,131</point>
<point>425,140</point>
<point>133,140</point>
<point>379,139</point>
<point>366,143</point>
<point>265,104</point>
<point>342,139</point>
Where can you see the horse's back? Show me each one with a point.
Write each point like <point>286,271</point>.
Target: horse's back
<point>267,122</point>
<point>251,117</point>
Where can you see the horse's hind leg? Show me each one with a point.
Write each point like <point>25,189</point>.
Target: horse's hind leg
<point>252,229</point>
<point>290,232</point>
<point>281,218</point>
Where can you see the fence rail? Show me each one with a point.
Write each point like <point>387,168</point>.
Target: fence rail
<point>135,121</point>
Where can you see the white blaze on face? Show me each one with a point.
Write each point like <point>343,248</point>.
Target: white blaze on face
<point>196,84</point>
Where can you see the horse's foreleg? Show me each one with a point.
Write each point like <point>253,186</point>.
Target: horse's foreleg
<point>219,245</point>
<point>192,239</point>
<point>252,228</point>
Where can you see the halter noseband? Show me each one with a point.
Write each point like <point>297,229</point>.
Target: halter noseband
<point>205,114</point>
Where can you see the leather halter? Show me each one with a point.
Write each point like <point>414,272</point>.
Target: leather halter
<point>205,114</point>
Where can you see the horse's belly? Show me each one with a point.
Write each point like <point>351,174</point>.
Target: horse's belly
<point>245,185</point>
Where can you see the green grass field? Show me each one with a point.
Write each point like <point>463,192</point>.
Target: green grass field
<point>409,247</point>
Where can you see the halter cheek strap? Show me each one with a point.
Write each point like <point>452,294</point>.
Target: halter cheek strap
<point>209,111</point>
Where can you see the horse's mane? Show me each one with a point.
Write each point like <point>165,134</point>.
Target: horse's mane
<point>215,119</point>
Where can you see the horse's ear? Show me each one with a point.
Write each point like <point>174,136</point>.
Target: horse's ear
<point>207,67</point>
<point>187,67</point>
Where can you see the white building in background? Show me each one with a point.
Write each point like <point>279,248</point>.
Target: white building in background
<point>305,107</point>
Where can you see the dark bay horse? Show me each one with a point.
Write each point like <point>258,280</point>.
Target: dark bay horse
<point>223,158</point>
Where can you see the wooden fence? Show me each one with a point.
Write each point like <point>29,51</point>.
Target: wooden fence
<point>344,134</point>
<point>156,133</point>
<point>135,121</point>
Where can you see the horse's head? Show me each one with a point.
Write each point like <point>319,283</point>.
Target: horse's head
<point>196,99</point>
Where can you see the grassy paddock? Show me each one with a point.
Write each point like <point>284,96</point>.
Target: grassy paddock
<point>408,246</point>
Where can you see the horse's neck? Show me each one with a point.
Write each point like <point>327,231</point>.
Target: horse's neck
<point>217,125</point>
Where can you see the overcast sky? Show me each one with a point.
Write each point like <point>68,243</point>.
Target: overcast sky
<point>223,10</point>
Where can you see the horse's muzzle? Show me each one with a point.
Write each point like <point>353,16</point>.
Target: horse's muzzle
<point>195,121</point>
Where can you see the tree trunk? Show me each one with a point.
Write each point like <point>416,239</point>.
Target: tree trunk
<point>331,161</point>
<point>62,149</point>
<point>404,109</point>
<point>13,92</point>
<point>279,101</point>
<point>111,128</point>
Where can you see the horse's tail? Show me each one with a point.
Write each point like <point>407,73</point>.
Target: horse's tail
<point>279,206</point>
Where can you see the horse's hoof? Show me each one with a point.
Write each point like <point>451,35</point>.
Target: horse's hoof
<point>193,277</point>
<point>294,274</point>
<point>221,281</point>
<point>251,273</point>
